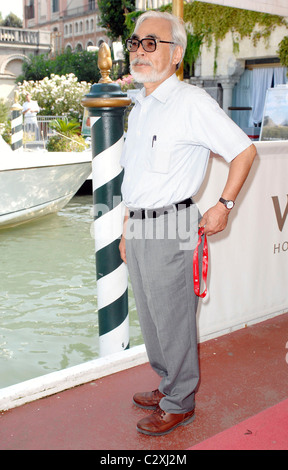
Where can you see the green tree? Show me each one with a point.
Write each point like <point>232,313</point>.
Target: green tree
<point>84,65</point>
<point>112,14</point>
<point>11,21</point>
<point>36,68</point>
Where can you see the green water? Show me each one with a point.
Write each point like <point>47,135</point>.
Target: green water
<point>48,302</point>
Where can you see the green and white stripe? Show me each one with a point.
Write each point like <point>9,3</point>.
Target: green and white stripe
<point>111,272</point>
<point>16,130</point>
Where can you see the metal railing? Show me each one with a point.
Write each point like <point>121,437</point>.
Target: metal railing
<point>41,132</point>
<point>44,128</point>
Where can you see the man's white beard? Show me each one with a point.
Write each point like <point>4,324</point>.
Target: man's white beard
<point>150,77</point>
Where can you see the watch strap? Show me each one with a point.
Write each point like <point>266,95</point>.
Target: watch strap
<point>228,204</point>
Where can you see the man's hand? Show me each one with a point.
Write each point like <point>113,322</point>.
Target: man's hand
<point>122,244</point>
<point>122,249</point>
<point>215,219</point>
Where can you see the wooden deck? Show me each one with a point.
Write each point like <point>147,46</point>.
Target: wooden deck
<point>242,374</point>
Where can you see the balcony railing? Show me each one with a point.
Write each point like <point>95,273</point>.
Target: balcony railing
<point>24,36</point>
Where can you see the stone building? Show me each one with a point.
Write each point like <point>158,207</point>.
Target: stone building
<point>49,26</point>
<point>74,24</point>
<point>15,45</point>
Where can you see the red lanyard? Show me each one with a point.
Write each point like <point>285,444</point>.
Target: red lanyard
<point>204,264</point>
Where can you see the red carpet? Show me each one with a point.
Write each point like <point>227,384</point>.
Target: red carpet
<point>267,430</point>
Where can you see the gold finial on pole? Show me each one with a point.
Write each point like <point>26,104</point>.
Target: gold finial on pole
<point>104,63</point>
<point>16,105</point>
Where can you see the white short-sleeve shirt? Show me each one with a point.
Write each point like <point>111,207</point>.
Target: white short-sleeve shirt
<point>30,117</point>
<point>170,135</point>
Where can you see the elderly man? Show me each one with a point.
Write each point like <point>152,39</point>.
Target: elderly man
<point>171,130</point>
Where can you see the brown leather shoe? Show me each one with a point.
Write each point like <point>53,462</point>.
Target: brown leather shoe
<point>148,400</point>
<point>160,422</point>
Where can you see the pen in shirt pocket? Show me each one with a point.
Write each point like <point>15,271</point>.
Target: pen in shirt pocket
<point>154,140</point>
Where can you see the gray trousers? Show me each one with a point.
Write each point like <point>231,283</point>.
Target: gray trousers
<point>160,263</point>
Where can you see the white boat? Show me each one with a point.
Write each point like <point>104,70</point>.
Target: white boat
<point>34,184</point>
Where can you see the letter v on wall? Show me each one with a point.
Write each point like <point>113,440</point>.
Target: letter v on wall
<point>280,219</point>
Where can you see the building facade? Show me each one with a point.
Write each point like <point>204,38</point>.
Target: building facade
<point>74,24</point>
<point>15,45</point>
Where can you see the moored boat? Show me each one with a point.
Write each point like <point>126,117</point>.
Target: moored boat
<point>38,183</point>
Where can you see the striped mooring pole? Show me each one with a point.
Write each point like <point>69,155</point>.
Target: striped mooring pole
<point>16,124</point>
<point>106,105</point>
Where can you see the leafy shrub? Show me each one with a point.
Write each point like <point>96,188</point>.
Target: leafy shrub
<point>57,95</point>
<point>59,143</point>
<point>283,51</point>
<point>4,110</point>
<point>7,132</point>
<point>67,138</point>
<point>65,127</point>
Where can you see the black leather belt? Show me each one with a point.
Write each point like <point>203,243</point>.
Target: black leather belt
<point>153,213</point>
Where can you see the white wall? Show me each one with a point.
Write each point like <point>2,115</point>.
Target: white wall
<point>248,268</point>
<point>227,60</point>
<point>276,7</point>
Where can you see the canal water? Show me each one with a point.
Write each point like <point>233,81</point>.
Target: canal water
<point>48,299</point>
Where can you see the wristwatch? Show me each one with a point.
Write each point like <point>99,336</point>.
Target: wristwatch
<point>228,204</point>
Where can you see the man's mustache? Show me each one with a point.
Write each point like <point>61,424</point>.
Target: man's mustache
<point>141,62</point>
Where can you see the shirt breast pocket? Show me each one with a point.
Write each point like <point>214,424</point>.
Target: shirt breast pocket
<point>160,158</point>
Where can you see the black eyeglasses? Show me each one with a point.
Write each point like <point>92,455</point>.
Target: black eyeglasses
<point>148,44</point>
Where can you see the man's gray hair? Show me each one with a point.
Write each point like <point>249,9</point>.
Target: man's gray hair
<point>179,35</point>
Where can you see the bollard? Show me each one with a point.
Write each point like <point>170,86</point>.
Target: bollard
<point>16,124</point>
<point>106,104</point>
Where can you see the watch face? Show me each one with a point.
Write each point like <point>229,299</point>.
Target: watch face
<point>229,204</point>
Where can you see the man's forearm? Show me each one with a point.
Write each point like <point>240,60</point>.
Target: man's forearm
<point>238,172</point>
<point>216,218</point>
